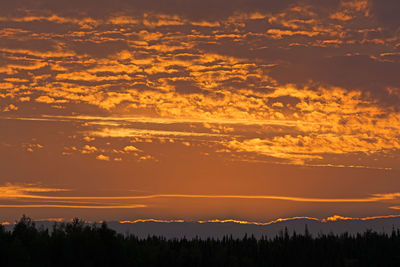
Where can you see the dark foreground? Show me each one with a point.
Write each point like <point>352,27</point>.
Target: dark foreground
<point>79,244</point>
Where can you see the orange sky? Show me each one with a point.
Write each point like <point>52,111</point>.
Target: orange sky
<point>199,110</point>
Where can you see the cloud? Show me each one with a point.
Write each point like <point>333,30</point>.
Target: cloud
<point>253,83</point>
<point>49,100</point>
<point>91,149</point>
<point>312,146</point>
<point>24,99</point>
<point>10,107</point>
<point>333,218</point>
<point>126,132</point>
<point>9,191</point>
<point>191,9</point>
<point>32,147</point>
<point>103,157</point>
<point>30,196</point>
<point>258,223</point>
<point>19,193</point>
<point>153,220</point>
<point>131,148</point>
<point>303,125</point>
<point>66,206</point>
<point>89,139</point>
<point>386,12</point>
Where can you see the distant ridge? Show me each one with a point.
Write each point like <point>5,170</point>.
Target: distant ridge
<point>220,228</point>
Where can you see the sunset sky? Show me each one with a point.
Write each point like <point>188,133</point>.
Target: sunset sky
<point>250,110</point>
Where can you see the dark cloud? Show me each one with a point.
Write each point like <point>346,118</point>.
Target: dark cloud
<point>40,26</point>
<point>295,57</point>
<point>186,87</point>
<point>99,49</point>
<point>387,12</point>
<point>210,9</point>
<point>351,72</point>
<point>40,45</point>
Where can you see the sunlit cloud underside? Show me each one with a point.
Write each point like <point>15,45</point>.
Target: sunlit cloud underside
<point>169,101</point>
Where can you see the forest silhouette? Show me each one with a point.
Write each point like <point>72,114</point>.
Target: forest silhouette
<point>81,244</point>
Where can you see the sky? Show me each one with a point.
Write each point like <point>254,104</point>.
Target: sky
<point>252,110</point>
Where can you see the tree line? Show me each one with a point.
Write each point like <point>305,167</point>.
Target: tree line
<point>80,244</point>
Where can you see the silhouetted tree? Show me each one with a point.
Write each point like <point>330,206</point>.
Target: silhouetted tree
<point>82,244</point>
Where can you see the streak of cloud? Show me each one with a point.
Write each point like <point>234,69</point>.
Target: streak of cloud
<point>135,206</point>
<point>10,191</point>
